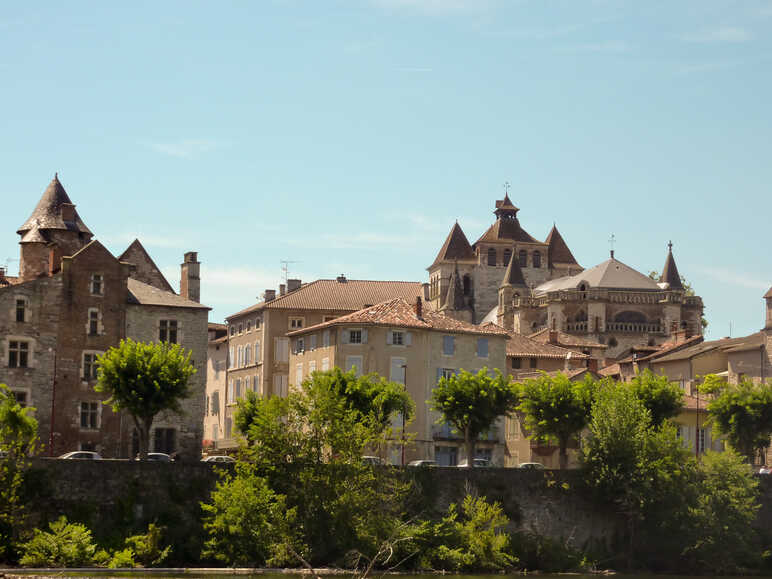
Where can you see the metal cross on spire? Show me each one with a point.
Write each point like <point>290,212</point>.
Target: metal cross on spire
<point>506,187</point>
<point>670,246</point>
<point>611,241</point>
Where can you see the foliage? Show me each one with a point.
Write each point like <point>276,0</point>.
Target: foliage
<point>146,548</point>
<point>554,406</point>
<point>65,545</point>
<point>123,559</point>
<point>742,412</point>
<point>472,402</point>
<point>18,436</point>
<point>688,291</point>
<point>721,536</point>
<point>308,447</point>
<point>246,521</point>
<point>145,379</point>
<point>547,554</point>
<point>662,398</point>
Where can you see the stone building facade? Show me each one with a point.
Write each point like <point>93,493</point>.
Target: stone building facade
<point>71,302</point>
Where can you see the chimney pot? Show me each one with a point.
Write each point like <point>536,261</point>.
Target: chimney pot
<point>426,291</point>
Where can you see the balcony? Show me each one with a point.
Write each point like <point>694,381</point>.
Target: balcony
<point>633,328</point>
<point>579,327</point>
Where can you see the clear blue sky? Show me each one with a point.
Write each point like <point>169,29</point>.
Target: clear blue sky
<point>347,136</point>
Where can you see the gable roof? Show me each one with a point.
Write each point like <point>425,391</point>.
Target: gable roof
<point>611,274</point>
<point>146,270</point>
<point>144,294</point>
<point>522,346</point>
<point>48,212</point>
<point>670,271</point>
<point>726,344</point>
<point>400,314</point>
<point>566,339</point>
<point>456,246</point>
<point>331,294</point>
<point>558,251</point>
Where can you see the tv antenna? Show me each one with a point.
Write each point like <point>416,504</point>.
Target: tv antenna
<point>285,268</point>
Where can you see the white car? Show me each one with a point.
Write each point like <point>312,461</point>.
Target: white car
<point>219,458</point>
<point>478,463</point>
<point>81,455</point>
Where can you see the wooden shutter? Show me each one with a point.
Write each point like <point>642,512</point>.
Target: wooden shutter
<point>408,338</point>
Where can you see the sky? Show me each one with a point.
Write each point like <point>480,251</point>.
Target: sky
<point>346,137</point>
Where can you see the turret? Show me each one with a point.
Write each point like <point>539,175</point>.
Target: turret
<point>768,298</point>
<point>512,285</point>
<point>670,275</point>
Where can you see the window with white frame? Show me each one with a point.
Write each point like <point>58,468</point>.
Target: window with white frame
<point>96,284</point>
<point>395,337</point>
<point>300,345</point>
<point>89,415</point>
<point>325,364</point>
<point>482,347</point>
<point>167,331</point>
<point>354,362</point>
<point>355,336</point>
<point>448,345</point>
<point>295,323</point>
<point>89,366</point>
<point>18,354</point>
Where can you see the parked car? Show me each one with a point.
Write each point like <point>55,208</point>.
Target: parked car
<point>81,455</point>
<point>219,458</point>
<point>478,463</point>
<point>422,463</point>
<point>157,456</point>
<point>373,460</point>
<point>764,470</point>
<point>531,466</point>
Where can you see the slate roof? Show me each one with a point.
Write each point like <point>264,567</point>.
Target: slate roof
<point>507,228</point>
<point>330,294</point>
<point>456,246</point>
<point>768,294</point>
<point>148,295</point>
<point>750,342</point>
<point>611,274</point>
<point>48,212</point>
<point>558,251</point>
<point>514,275</point>
<point>147,271</point>
<point>400,314</point>
<point>566,339</point>
<point>522,346</point>
<point>670,273</point>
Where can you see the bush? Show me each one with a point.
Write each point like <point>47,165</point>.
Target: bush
<point>66,545</point>
<point>146,549</point>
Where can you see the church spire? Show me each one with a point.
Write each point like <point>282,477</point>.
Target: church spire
<point>514,275</point>
<point>670,271</point>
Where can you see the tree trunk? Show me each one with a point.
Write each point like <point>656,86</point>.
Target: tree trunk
<point>143,429</point>
<point>469,443</point>
<point>563,455</point>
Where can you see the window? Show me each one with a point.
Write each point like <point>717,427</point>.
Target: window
<point>247,355</point>
<point>300,345</point>
<point>231,393</point>
<point>93,322</point>
<point>482,347</point>
<point>397,370</point>
<point>491,256</point>
<point>96,284</point>
<point>355,336</point>
<point>233,330</point>
<point>281,349</point>
<point>467,281</point>
<point>296,323</point>
<point>507,256</point>
<point>280,385</point>
<point>21,310</point>
<point>517,363</point>
<point>231,358</point>
<point>312,340</point>
<point>238,389</point>
<point>701,440</point>
<point>18,354</point>
<point>298,374</point>
<point>446,373</point>
<point>312,366</point>
<point>168,331</point>
<point>89,415</point>
<point>241,329</point>
<point>536,259</point>
<point>89,366</point>
<point>249,325</point>
<point>325,364</point>
<point>257,352</point>
<point>165,439</point>
<point>446,455</point>
<point>448,345</point>
<point>523,258</point>
<point>239,356</point>
<point>257,323</point>
<point>354,362</point>
<point>228,427</point>
<point>21,397</point>
<point>395,337</point>
<point>534,362</point>
<point>326,338</point>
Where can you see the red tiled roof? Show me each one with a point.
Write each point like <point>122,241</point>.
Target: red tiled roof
<point>665,349</point>
<point>522,346</point>
<point>611,370</point>
<point>330,294</point>
<point>398,313</point>
<point>727,344</point>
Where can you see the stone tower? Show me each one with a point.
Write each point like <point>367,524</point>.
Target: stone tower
<point>53,231</point>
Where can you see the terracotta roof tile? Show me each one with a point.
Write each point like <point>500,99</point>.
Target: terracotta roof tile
<point>8,280</point>
<point>330,294</point>
<point>566,339</point>
<point>727,344</point>
<point>522,346</point>
<point>612,370</point>
<point>400,314</point>
<point>148,295</point>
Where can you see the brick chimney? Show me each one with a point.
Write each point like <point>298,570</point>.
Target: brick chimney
<point>293,284</point>
<point>553,337</point>
<point>190,280</point>
<point>282,289</point>
<point>419,307</point>
<point>2,275</point>
<point>425,287</point>
<point>269,295</point>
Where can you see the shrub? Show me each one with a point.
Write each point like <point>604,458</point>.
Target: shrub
<point>66,545</point>
<point>146,549</point>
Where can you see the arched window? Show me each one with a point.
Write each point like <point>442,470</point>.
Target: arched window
<point>507,256</point>
<point>536,259</point>
<point>467,284</point>
<point>523,257</point>
<point>491,256</point>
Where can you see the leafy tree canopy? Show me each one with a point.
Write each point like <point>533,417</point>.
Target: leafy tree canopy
<point>662,398</point>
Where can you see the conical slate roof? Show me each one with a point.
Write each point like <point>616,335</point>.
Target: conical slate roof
<point>48,212</point>
<point>456,246</point>
<point>670,271</point>
<point>558,251</point>
<point>768,294</point>
<point>514,275</point>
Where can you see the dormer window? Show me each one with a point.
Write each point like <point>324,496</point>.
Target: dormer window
<point>97,285</point>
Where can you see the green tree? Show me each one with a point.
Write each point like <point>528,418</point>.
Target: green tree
<point>471,403</point>
<point>742,412</point>
<point>554,406</point>
<point>65,544</point>
<point>18,435</point>
<point>662,398</point>
<point>144,380</point>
